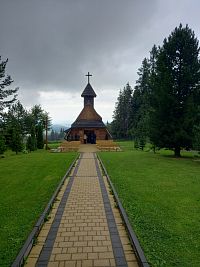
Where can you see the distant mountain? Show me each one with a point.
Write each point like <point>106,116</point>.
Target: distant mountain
<point>57,127</point>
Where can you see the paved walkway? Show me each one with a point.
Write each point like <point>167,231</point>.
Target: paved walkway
<point>88,148</point>
<point>85,228</point>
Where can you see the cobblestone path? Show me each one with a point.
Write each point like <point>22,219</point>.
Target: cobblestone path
<point>85,227</point>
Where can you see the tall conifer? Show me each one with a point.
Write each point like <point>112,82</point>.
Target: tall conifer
<point>176,91</point>
<point>7,95</point>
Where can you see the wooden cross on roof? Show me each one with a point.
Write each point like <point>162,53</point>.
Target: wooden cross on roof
<point>88,75</point>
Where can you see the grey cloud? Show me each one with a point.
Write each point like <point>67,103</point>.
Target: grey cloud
<point>52,44</point>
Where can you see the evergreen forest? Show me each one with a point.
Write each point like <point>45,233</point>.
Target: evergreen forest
<point>164,106</point>
<point>20,129</point>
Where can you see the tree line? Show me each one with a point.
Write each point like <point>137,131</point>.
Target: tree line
<point>164,106</point>
<point>55,135</point>
<point>20,129</point>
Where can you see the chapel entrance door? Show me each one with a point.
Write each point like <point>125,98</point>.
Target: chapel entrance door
<point>91,137</point>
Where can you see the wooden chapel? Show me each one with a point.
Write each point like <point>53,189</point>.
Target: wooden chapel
<point>89,124</point>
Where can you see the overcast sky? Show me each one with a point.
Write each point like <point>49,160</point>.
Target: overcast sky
<point>52,44</point>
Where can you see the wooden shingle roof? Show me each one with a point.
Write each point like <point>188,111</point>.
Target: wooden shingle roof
<point>88,91</point>
<point>88,118</point>
<point>88,113</point>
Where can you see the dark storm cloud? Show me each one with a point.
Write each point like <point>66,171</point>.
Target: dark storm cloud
<point>52,44</point>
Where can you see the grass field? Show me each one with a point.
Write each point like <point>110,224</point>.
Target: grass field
<point>27,182</point>
<point>161,195</point>
<point>54,144</point>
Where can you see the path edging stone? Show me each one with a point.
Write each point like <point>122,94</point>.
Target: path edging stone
<point>132,236</point>
<point>45,253</point>
<point>118,250</point>
<point>24,252</point>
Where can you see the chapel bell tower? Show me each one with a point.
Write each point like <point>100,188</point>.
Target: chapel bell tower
<point>88,93</point>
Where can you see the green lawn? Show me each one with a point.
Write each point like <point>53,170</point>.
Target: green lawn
<point>54,144</point>
<point>161,195</point>
<point>27,182</point>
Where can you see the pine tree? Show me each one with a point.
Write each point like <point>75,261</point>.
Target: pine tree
<point>16,115</point>
<point>141,104</point>
<point>7,96</point>
<point>31,144</point>
<point>52,135</point>
<point>121,124</point>
<point>61,134</point>
<point>176,95</point>
<point>14,126</point>
<point>47,126</point>
<point>38,114</point>
<point>2,143</point>
<point>16,143</point>
<point>37,119</point>
<point>40,139</point>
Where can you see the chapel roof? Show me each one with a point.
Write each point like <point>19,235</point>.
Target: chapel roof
<point>88,117</point>
<point>87,124</point>
<point>89,113</point>
<point>88,91</point>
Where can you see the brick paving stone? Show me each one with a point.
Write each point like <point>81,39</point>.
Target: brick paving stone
<point>87,249</point>
<point>63,257</point>
<point>53,264</point>
<point>100,249</point>
<point>87,263</point>
<point>102,263</point>
<point>93,255</point>
<point>68,264</point>
<point>84,235</point>
<point>71,250</point>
